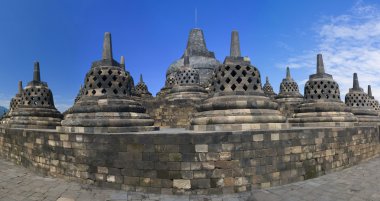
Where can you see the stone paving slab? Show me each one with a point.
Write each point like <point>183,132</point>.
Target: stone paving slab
<point>358,183</point>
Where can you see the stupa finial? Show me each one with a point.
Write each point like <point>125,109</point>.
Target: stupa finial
<point>122,62</point>
<point>20,87</point>
<point>141,78</point>
<point>36,72</point>
<point>107,47</point>
<point>320,66</point>
<point>235,45</point>
<point>266,79</point>
<point>186,59</point>
<point>288,73</point>
<point>369,91</point>
<point>356,82</point>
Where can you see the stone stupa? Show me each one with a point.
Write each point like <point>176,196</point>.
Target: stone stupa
<point>200,58</point>
<point>187,84</point>
<point>142,89</point>
<point>322,106</point>
<point>289,96</point>
<point>238,101</point>
<point>374,103</point>
<point>15,102</point>
<point>36,109</point>
<point>106,105</point>
<point>268,89</point>
<point>360,103</point>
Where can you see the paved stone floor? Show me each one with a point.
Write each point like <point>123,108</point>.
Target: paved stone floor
<point>361,182</point>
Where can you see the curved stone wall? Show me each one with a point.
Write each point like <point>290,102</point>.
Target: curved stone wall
<point>190,162</point>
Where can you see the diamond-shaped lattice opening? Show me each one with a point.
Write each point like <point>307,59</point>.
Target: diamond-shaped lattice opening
<point>100,72</point>
<point>109,84</point>
<point>94,78</point>
<point>322,91</point>
<point>114,78</point>
<point>218,81</point>
<point>222,88</point>
<point>104,91</point>
<point>248,68</point>
<point>238,67</point>
<point>239,80</point>
<point>245,87</point>
<point>120,84</point>
<point>233,73</point>
<point>90,85</point>
<point>99,85</point>
<point>93,92</point>
<point>255,87</point>
<point>115,91</point>
<point>253,74</point>
<point>109,72</point>
<point>244,73</point>
<point>104,78</point>
<point>249,80</point>
<point>227,68</point>
<point>233,87</point>
<point>319,96</point>
<point>223,74</point>
<point>228,80</point>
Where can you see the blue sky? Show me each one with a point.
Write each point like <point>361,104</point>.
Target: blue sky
<point>66,36</point>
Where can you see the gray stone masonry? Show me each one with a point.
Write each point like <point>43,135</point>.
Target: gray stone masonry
<point>187,163</point>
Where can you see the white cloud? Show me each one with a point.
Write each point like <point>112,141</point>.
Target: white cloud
<point>349,43</point>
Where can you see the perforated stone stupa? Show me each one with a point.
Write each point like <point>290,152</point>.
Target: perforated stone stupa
<point>200,59</point>
<point>322,105</point>
<point>238,101</point>
<point>15,101</point>
<point>268,89</point>
<point>374,103</point>
<point>360,103</point>
<point>289,96</point>
<point>187,83</point>
<point>36,109</point>
<point>142,90</point>
<point>106,105</point>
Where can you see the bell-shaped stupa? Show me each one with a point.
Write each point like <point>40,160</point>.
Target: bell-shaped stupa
<point>15,101</point>
<point>142,89</point>
<point>268,89</point>
<point>200,58</point>
<point>186,84</point>
<point>238,101</point>
<point>289,96</point>
<point>374,103</point>
<point>322,105</point>
<point>360,103</point>
<point>106,105</point>
<point>36,109</point>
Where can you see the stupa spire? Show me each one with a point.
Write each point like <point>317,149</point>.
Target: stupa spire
<point>320,66</point>
<point>122,62</point>
<point>36,72</point>
<point>186,59</point>
<point>235,45</point>
<point>267,79</point>
<point>356,82</point>
<point>141,78</point>
<point>20,87</point>
<point>107,47</point>
<point>288,73</point>
<point>369,91</point>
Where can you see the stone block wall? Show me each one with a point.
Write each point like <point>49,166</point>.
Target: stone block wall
<point>170,114</point>
<point>187,162</point>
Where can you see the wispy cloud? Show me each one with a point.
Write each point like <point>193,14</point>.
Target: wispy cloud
<point>349,43</point>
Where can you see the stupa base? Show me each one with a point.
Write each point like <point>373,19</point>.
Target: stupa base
<point>105,130</point>
<point>240,127</point>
